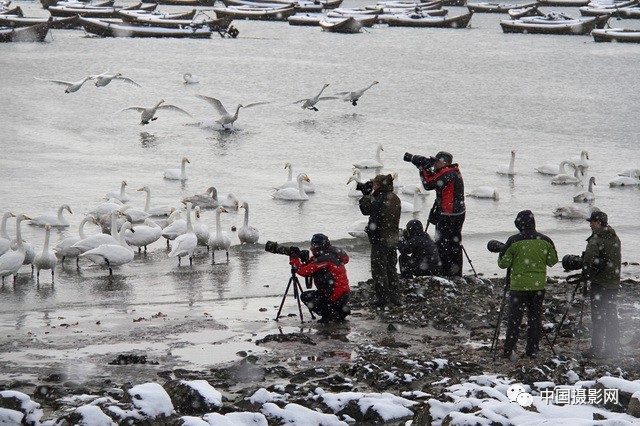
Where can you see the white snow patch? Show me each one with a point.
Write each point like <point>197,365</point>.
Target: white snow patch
<point>94,416</point>
<point>151,399</point>
<point>208,392</point>
<point>262,396</point>
<point>236,419</point>
<point>299,415</point>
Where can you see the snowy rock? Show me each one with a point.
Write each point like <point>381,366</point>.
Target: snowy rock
<point>626,389</point>
<point>236,419</point>
<point>193,397</point>
<point>89,415</point>
<point>12,402</point>
<point>633,409</point>
<point>149,402</point>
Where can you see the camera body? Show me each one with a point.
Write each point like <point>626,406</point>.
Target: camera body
<point>495,246</point>
<point>365,187</point>
<point>419,161</point>
<point>572,262</point>
<point>275,248</point>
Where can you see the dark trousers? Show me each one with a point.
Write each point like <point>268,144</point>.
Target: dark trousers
<point>605,328</point>
<point>518,302</point>
<point>449,242</point>
<point>384,273</point>
<point>320,304</point>
<point>414,266</point>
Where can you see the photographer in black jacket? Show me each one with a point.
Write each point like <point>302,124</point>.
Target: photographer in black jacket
<point>418,252</point>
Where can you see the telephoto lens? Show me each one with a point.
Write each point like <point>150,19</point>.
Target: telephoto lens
<point>495,246</point>
<point>407,157</point>
<point>572,262</point>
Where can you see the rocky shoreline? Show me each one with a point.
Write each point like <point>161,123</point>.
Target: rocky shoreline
<point>428,360</point>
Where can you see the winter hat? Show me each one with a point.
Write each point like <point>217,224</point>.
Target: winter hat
<point>320,241</point>
<point>600,217</point>
<point>414,227</point>
<point>445,157</point>
<point>525,220</point>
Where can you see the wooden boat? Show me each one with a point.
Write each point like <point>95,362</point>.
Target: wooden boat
<point>219,24</point>
<point>47,3</point>
<point>186,2</point>
<point>97,12</point>
<point>15,21</point>
<point>133,15</point>
<point>404,5</point>
<point>365,20</point>
<point>525,11</point>
<point>496,7</point>
<point>313,19</point>
<point>17,11</point>
<point>110,29</point>
<point>382,19</point>
<point>326,4</point>
<point>630,12</point>
<point>563,3</point>
<point>348,25</point>
<point>255,13</point>
<point>357,11</point>
<point>36,32</point>
<point>551,24</point>
<point>300,6</point>
<point>419,20</point>
<point>616,34</point>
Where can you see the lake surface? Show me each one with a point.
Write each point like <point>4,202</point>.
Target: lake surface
<point>477,93</point>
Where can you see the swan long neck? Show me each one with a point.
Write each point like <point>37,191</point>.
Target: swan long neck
<point>183,170</point>
<point>60,218</point>
<point>81,229</point>
<point>591,182</point>
<point>121,239</point>
<point>122,186</point>
<point>114,225</point>
<point>235,116</point>
<point>512,163</point>
<point>218,224</point>
<point>47,236</point>
<point>3,227</point>
<point>378,154</point>
<point>321,90</point>
<point>19,234</point>
<point>300,186</point>
<point>290,173</point>
<point>189,224</point>
<point>147,203</point>
<point>246,215</point>
<point>563,167</point>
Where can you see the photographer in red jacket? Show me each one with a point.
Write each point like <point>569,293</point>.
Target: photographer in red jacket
<point>326,267</point>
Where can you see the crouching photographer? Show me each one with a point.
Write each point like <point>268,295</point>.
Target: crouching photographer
<point>326,269</point>
<point>418,252</point>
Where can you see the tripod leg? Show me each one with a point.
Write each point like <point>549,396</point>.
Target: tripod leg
<point>296,295</point>
<point>566,312</point>
<point>300,291</point>
<point>469,260</point>
<point>284,297</point>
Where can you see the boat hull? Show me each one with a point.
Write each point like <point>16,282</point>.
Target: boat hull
<point>461,21</point>
<point>109,29</point>
<point>31,33</point>
<point>616,35</point>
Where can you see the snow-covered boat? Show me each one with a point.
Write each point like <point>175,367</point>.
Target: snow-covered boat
<point>496,7</point>
<point>313,19</point>
<point>15,21</point>
<point>553,23</point>
<point>616,34</point>
<point>525,11</point>
<point>36,32</point>
<point>186,2</point>
<point>420,20</point>
<point>133,15</point>
<point>12,11</point>
<point>255,13</point>
<point>97,12</point>
<point>110,29</point>
<point>384,18</point>
<point>563,3</point>
<point>348,25</point>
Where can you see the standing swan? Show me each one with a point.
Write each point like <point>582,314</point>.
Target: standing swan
<point>225,117</point>
<point>246,233</point>
<point>111,255</point>
<point>178,174</point>
<point>586,196</point>
<point>71,86</point>
<point>201,230</point>
<point>293,194</point>
<point>220,240</point>
<point>311,102</point>
<point>11,261</point>
<point>49,219</point>
<point>148,114</point>
<point>370,163</point>
<point>65,247</point>
<point>185,244</point>
<point>144,235</point>
<point>156,210</point>
<point>5,241</point>
<point>508,170</point>
<point>47,259</point>
<point>353,97</point>
<point>96,240</point>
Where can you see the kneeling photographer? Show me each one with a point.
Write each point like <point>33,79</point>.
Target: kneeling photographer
<point>418,252</point>
<point>326,267</point>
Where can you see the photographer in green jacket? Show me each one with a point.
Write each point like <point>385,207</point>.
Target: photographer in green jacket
<point>602,263</point>
<point>527,255</point>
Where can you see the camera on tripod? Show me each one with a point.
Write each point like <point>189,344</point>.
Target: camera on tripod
<point>495,246</point>
<point>275,248</point>
<point>572,262</point>
<point>420,161</point>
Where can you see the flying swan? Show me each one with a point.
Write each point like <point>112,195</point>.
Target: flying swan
<point>353,97</point>
<point>226,118</point>
<point>148,114</point>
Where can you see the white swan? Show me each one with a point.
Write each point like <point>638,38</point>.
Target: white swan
<point>231,202</point>
<point>290,183</point>
<point>96,240</point>
<point>106,208</point>
<point>176,228</point>
<point>357,228</point>
<point>121,196</point>
<point>190,78</point>
<point>201,230</point>
<point>12,260</point>
<point>356,177</point>
<point>226,118</point>
<point>566,179</point>
<point>571,212</point>
<point>178,174</point>
<point>293,194</point>
<point>582,162</point>
<point>353,97</point>
<point>586,196</point>
<point>156,210</point>
<point>47,259</point>
<point>411,188</point>
<point>407,207</point>
<point>510,169</point>
<point>72,86</point>
<point>133,215</point>
<point>370,163</point>
<point>57,220</point>
<point>247,233</point>
<point>208,200</point>
<point>107,77</point>
<point>65,249</point>
<point>552,169</point>
<point>630,180</point>
<point>144,235</point>
<point>220,240</point>
<point>485,192</point>
<point>111,255</point>
<point>310,103</point>
<point>629,172</point>
<point>185,244</point>
<point>148,113</point>
<point>5,240</point>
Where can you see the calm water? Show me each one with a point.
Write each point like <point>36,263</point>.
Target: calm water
<point>477,93</point>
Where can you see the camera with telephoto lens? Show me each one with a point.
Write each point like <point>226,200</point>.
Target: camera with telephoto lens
<point>275,248</point>
<point>495,246</point>
<point>572,262</point>
<point>365,187</point>
<point>419,161</point>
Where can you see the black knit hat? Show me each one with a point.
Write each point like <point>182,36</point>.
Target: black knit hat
<point>445,157</point>
<point>600,217</point>
<point>525,220</point>
<point>320,241</point>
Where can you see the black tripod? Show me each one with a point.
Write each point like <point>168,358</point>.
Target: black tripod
<point>297,290</point>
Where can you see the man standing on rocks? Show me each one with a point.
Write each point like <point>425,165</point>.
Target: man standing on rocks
<point>602,263</point>
<point>526,255</point>
<point>383,208</point>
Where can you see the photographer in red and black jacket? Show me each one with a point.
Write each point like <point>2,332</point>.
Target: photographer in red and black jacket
<point>326,267</point>
<point>439,173</point>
